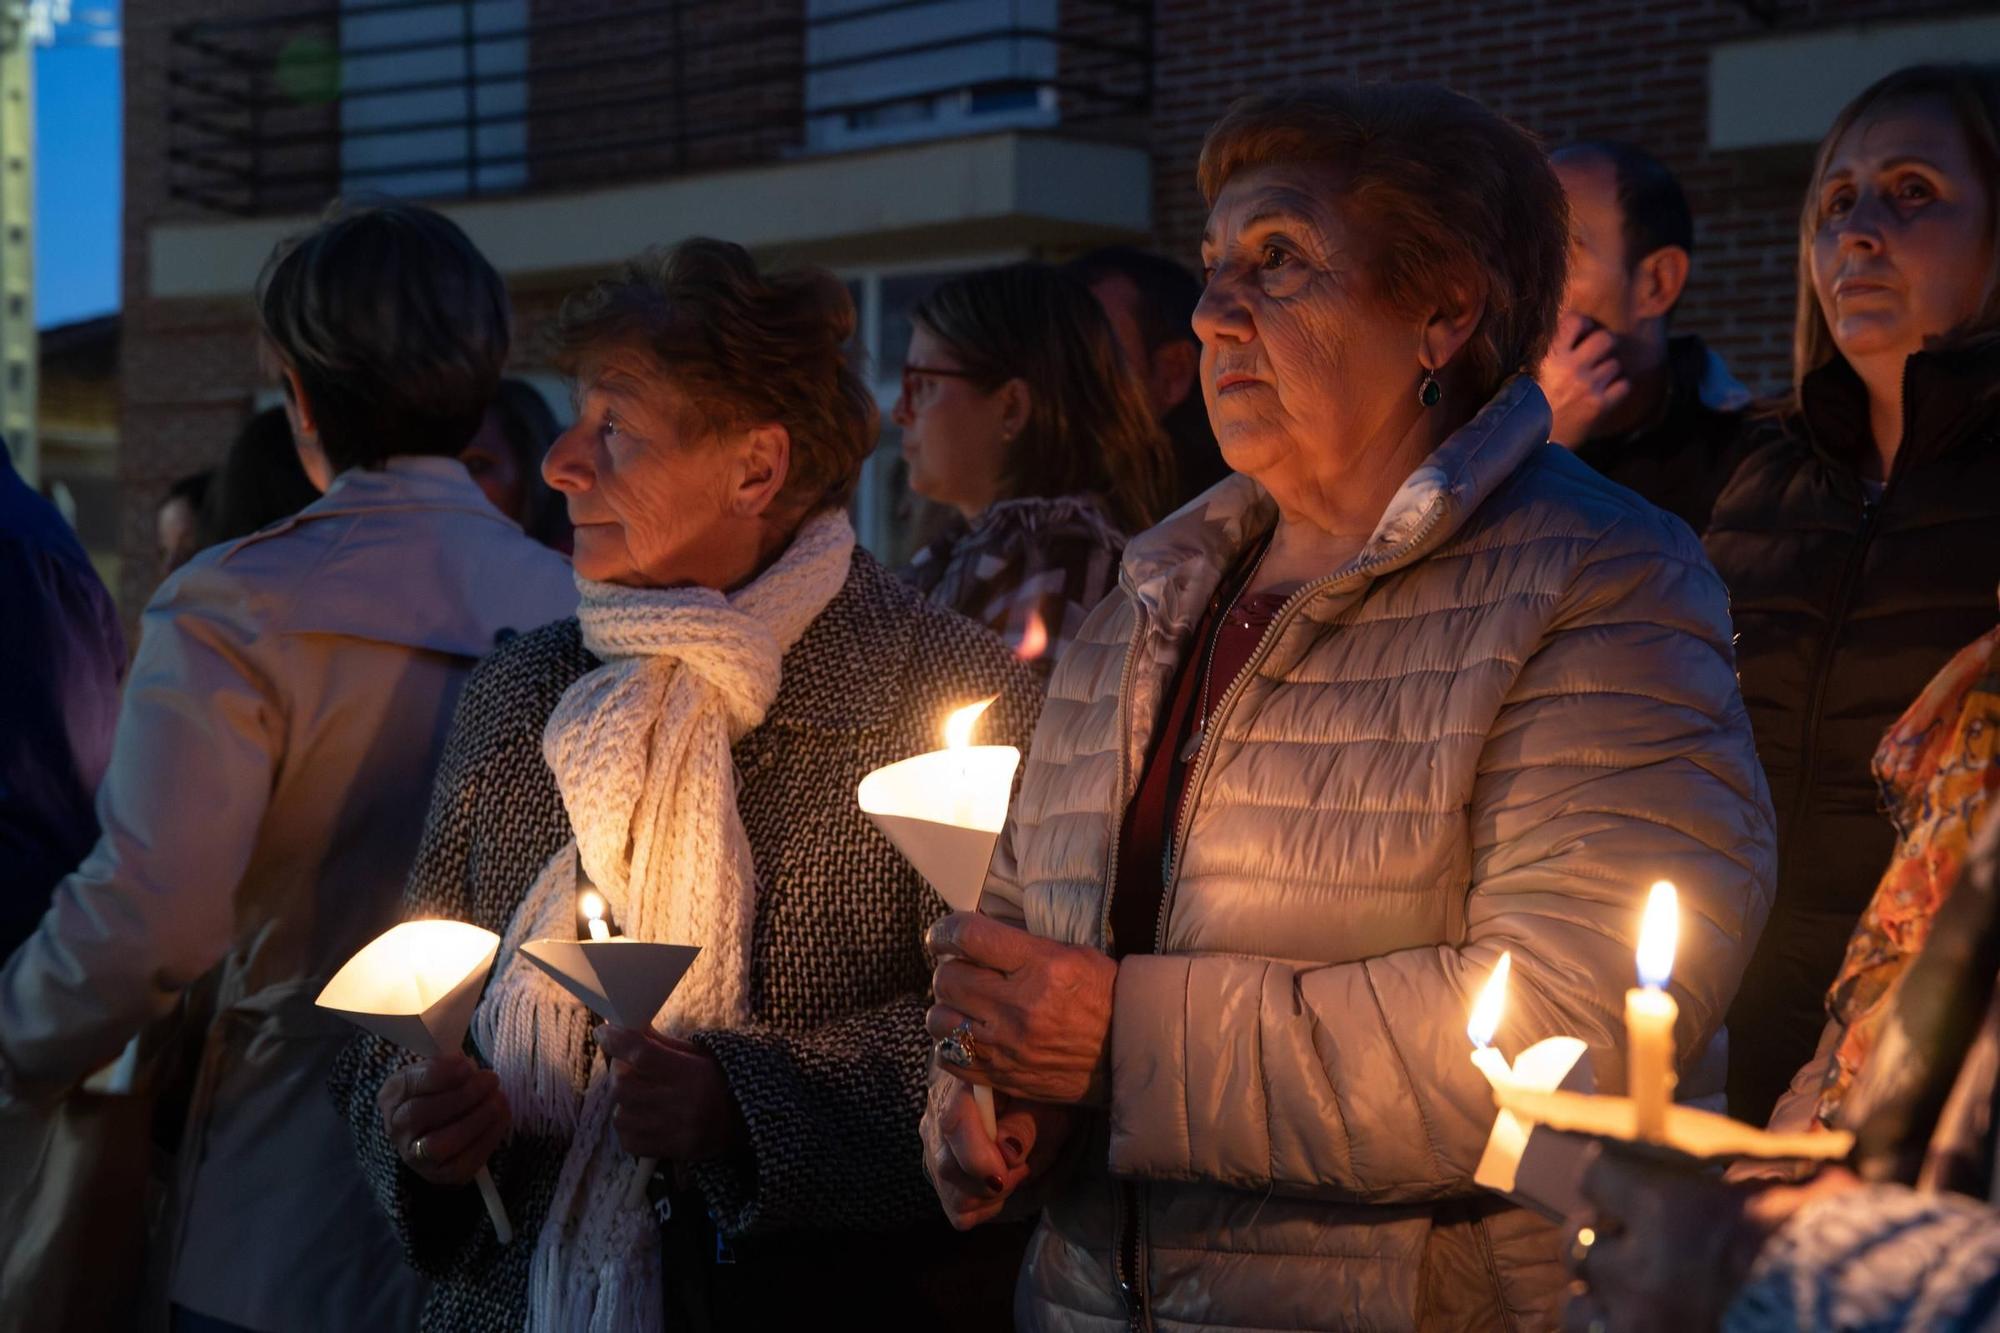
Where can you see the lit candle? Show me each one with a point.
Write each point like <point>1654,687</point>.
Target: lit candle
<point>1485,1021</point>
<point>592,903</point>
<point>1649,1017</point>
<point>958,740</point>
<point>943,811</point>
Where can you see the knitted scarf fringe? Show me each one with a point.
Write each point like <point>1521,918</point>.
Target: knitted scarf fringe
<point>640,749</point>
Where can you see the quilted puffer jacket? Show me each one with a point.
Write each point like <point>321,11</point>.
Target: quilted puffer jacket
<point>1492,730</point>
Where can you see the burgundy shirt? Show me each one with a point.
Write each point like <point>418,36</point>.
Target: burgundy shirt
<point>1224,643</point>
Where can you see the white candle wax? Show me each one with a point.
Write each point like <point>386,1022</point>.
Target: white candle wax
<point>1649,1017</point>
<point>1650,1014</point>
<point>1494,1065</point>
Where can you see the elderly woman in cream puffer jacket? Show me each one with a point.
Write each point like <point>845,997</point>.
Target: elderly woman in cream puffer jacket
<point>1418,689</point>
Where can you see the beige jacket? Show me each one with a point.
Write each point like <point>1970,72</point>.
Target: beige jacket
<point>267,787</point>
<point>1493,729</point>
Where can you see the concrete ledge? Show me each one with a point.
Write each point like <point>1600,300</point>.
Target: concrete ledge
<point>1769,92</point>
<point>1031,189</point>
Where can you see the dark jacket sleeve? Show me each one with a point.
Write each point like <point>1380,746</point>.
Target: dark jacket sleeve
<point>62,657</point>
<point>832,1112</point>
<point>1878,1257</point>
<point>494,821</point>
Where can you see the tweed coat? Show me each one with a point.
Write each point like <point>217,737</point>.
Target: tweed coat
<point>830,1076</point>
<point>1491,730</point>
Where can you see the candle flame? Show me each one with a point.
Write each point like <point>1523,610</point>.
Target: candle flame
<point>1659,931</point>
<point>1034,638</point>
<point>958,727</point>
<point>1492,1002</point>
<point>592,905</point>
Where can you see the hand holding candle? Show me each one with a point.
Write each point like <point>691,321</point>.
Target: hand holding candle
<point>416,985</point>
<point>944,811</point>
<point>624,979</point>
<point>1650,1014</point>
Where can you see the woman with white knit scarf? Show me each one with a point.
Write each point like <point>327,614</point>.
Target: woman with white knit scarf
<point>689,747</point>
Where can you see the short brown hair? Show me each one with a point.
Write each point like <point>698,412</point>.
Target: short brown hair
<point>1971,96</point>
<point>396,326</point>
<point>1454,198</point>
<point>1089,429</point>
<point>745,347</point>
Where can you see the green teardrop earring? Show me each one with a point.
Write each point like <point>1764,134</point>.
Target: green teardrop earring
<point>1429,391</point>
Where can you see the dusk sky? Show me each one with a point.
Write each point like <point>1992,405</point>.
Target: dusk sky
<point>78,132</point>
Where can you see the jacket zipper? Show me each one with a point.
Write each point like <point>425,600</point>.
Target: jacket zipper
<point>1129,1250</point>
<point>1125,1246</point>
<point>1286,614</point>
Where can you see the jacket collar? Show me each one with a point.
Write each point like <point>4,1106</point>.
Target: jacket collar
<point>404,482</point>
<point>1948,398</point>
<point>463,573</point>
<point>1171,569</point>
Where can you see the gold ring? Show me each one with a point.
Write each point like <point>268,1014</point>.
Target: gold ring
<point>1579,1248</point>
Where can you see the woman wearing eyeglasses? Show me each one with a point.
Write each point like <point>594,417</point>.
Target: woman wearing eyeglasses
<point>1018,411</point>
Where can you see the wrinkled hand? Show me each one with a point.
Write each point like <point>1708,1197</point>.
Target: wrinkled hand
<point>1671,1244</point>
<point>1040,1011</point>
<point>1582,379</point>
<point>974,1175</point>
<point>669,1098</point>
<point>450,1106</point>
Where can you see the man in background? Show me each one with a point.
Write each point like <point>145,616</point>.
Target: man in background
<point>1150,300</point>
<point>1655,412</point>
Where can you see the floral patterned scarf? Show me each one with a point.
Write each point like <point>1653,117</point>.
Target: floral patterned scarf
<point>1937,768</point>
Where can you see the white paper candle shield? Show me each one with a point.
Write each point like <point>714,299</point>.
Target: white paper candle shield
<point>624,979</point>
<point>944,811</point>
<point>1543,1067</point>
<point>416,984</point>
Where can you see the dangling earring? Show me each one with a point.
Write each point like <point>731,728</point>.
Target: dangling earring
<point>1429,391</point>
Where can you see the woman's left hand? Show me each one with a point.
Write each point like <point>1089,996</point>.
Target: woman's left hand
<point>669,1097</point>
<point>1666,1247</point>
<point>1039,1011</point>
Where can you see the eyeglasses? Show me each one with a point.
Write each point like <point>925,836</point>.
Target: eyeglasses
<point>915,375</point>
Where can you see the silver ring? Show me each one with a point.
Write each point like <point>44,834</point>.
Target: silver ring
<point>419,1152</point>
<point>959,1049</point>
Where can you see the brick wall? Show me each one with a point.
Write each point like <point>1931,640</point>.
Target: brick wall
<point>1634,69</point>
<point>1567,69</point>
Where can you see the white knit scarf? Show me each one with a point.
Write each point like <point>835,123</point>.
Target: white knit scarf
<point>640,748</point>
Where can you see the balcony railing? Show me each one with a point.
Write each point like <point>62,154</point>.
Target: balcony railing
<point>449,99</point>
